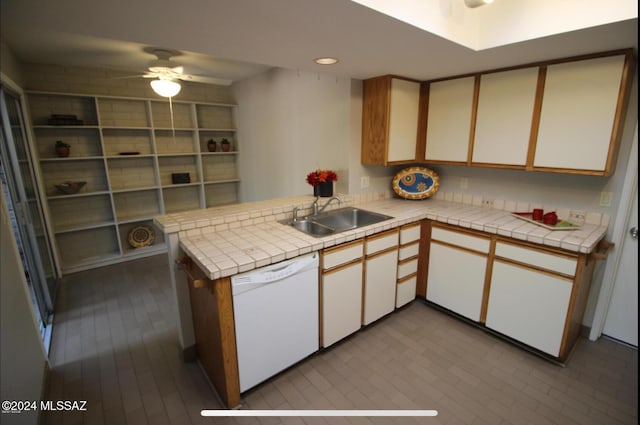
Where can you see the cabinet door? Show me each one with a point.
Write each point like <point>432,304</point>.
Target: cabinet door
<point>505,113</point>
<point>456,279</point>
<point>403,120</point>
<point>449,120</point>
<point>341,302</point>
<point>380,285</point>
<point>528,306</point>
<point>578,114</point>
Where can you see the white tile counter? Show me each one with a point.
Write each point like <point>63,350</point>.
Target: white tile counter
<point>228,240</point>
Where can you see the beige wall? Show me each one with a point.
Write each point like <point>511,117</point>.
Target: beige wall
<point>10,66</point>
<point>22,357</point>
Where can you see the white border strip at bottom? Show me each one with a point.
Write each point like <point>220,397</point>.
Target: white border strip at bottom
<point>300,413</point>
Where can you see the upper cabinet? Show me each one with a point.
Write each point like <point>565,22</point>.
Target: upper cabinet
<point>449,120</point>
<point>563,116</point>
<point>506,103</point>
<point>581,115</point>
<point>390,120</point>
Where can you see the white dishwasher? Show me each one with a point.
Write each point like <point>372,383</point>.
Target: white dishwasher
<point>275,311</point>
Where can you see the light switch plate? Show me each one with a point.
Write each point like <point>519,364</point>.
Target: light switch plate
<point>605,199</point>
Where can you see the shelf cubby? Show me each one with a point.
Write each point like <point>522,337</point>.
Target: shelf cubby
<point>79,212</point>
<point>87,246</point>
<point>90,171</point>
<point>125,113</point>
<point>136,205</point>
<point>181,198</point>
<point>43,106</point>
<point>170,142</point>
<point>84,141</point>
<point>118,140</point>
<point>219,194</point>
<point>127,249</point>
<point>219,167</point>
<point>131,172</point>
<point>161,113</point>
<point>214,116</point>
<point>205,135</point>
<point>169,165</point>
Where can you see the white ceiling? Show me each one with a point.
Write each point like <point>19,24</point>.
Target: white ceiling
<point>234,39</point>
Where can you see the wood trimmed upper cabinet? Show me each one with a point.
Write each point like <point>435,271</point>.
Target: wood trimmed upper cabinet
<point>450,111</point>
<point>390,120</point>
<point>563,116</point>
<point>506,105</point>
<point>582,113</point>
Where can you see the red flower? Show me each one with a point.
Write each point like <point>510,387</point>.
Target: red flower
<point>314,178</point>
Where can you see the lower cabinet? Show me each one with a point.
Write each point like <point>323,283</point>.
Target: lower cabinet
<point>537,296</point>
<point>457,268</point>
<point>381,264</point>
<point>341,292</point>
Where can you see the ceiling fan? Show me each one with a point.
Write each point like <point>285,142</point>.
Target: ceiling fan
<point>167,74</point>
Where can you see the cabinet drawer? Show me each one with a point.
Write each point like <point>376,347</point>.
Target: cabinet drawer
<point>406,291</point>
<point>409,251</point>
<point>460,239</point>
<point>410,233</point>
<point>381,242</point>
<point>342,254</point>
<point>406,268</point>
<point>537,258</point>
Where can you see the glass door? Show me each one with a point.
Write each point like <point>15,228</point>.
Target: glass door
<point>21,192</point>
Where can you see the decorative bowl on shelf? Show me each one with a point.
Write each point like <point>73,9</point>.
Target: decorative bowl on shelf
<point>70,188</point>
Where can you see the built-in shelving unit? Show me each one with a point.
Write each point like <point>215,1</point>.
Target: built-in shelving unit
<point>125,190</point>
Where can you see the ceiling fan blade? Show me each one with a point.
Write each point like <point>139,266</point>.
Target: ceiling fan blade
<point>204,79</point>
<point>127,76</point>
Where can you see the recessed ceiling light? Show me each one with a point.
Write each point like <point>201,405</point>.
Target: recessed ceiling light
<point>325,61</point>
<point>476,3</point>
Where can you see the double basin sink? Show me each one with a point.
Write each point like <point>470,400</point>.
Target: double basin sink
<point>336,221</point>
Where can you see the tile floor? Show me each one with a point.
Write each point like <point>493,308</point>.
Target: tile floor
<point>115,345</point>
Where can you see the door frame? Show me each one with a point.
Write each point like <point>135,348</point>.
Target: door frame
<point>620,229</point>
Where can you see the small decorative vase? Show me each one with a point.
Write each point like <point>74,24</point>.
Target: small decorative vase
<point>211,145</point>
<point>62,151</point>
<point>323,189</point>
<point>226,146</point>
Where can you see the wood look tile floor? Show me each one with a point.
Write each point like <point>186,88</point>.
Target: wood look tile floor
<point>115,345</point>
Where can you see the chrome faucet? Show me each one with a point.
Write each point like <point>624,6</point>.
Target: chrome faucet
<point>317,211</point>
<point>295,214</point>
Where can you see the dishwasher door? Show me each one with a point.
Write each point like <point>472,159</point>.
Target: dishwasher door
<point>276,317</point>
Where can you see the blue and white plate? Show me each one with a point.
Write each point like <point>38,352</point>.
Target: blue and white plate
<point>416,183</point>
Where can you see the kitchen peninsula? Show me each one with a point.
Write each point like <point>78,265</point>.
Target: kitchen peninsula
<point>218,243</point>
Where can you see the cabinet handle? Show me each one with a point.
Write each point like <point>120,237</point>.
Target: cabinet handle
<point>602,250</point>
<point>185,264</point>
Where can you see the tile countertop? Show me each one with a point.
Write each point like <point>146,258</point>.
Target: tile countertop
<point>234,250</point>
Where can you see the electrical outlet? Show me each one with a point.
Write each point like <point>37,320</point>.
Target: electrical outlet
<point>577,217</point>
<point>606,198</point>
<point>464,183</point>
<point>487,203</point>
<point>364,182</point>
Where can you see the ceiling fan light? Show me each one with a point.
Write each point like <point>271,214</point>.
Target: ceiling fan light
<point>166,88</point>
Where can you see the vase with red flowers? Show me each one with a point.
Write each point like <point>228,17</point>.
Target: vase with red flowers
<point>322,182</point>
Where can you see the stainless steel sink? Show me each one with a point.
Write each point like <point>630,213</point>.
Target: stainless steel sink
<point>336,221</point>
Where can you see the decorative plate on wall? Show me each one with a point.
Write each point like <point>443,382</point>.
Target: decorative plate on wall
<point>416,183</point>
<point>140,236</point>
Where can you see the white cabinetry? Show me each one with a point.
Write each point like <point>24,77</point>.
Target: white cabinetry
<point>408,255</point>
<point>449,118</point>
<point>580,105</point>
<point>341,292</point>
<point>457,269</point>
<point>381,264</point>
<point>505,114</point>
<point>530,296</point>
<point>390,120</point>
<point>126,150</point>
